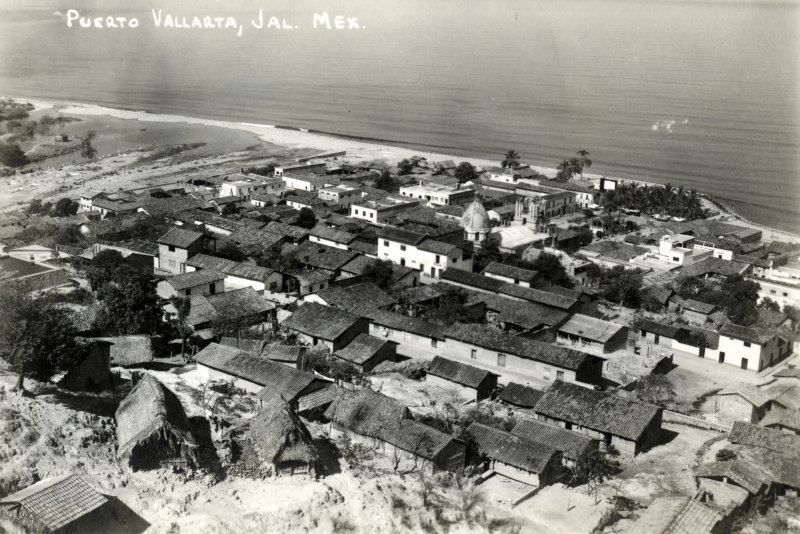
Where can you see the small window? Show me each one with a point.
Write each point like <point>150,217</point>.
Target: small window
<point>473,354</point>
<point>501,359</point>
<point>171,248</point>
<point>785,294</point>
<point>385,243</point>
<point>188,291</point>
<point>746,343</point>
<point>437,258</point>
<point>403,262</point>
<point>402,247</point>
<point>434,343</point>
<point>212,288</point>
<point>559,375</point>
<point>372,215</point>
<point>644,334</point>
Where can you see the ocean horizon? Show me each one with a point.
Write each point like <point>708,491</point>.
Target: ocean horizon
<point>698,94</point>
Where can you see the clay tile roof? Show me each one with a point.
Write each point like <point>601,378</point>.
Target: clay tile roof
<point>399,235</point>
<point>437,247</point>
<point>597,410</point>
<point>460,373</point>
<point>206,261</point>
<point>356,297</point>
<point>323,322</point>
<point>253,346</point>
<point>395,321</point>
<point>511,449</point>
<point>745,473</point>
<point>509,271</point>
<point>250,271</point>
<point>310,276</point>
<point>194,279</point>
<point>323,231</point>
<point>321,256</point>
<point>714,266</point>
<point>519,395</point>
<point>56,502</point>
<point>539,296</point>
<point>755,396</point>
<point>658,328</point>
<point>677,515</point>
<point>590,328</point>
<point>697,306</point>
<point>765,438</point>
<point>751,334</point>
<point>571,444</point>
<point>362,348</point>
<point>179,237</point>
<point>459,276</point>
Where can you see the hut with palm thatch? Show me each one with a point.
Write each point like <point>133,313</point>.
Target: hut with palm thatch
<point>281,440</point>
<point>153,430</point>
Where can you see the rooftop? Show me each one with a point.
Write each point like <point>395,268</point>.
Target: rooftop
<point>356,297</point>
<point>509,271</point>
<point>519,395</point>
<point>194,279</point>
<point>571,444</point>
<point>678,515</point>
<point>512,449</point>
<point>323,322</point>
<point>460,373</point>
<point>590,328</point>
<point>362,348</point>
<point>179,237</point>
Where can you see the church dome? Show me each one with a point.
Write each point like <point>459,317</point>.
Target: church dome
<point>475,218</point>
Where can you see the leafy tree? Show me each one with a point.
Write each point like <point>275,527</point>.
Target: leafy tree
<point>306,218</point>
<point>36,339</point>
<point>228,249</point>
<point>551,270</point>
<point>386,182</point>
<point>740,298</point>
<point>87,150</point>
<point>183,307</point>
<point>466,172</point>
<point>489,252</point>
<point>510,160</point>
<point>769,304</point>
<point>64,207</point>
<point>594,469</point>
<point>229,209</point>
<point>35,207</point>
<point>655,389</point>
<point>129,304</point>
<point>623,286</point>
<point>404,167</point>
<point>268,256</point>
<point>12,155</point>
<point>104,268</point>
<point>380,273</point>
<point>450,308</point>
<point>792,313</point>
<point>568,168</point>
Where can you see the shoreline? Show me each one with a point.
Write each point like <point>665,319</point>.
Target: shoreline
<point>297,138</point>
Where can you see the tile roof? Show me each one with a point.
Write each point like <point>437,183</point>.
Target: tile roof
<point>530,349</point>
<point>746,474</point>
<point>590,328</point>
<point>660,294</point>
<point>206,261</point>
<point>460,276</point>
<point>460,373</point>
<point>320,256</point>
<point>308,277</point>
<point>615,250</point>
<point>524,314</point>
<point>509,271</point>
<point>539,296</point>
<point>396,321</point>
<point>713,265</point>
<point>597,410</point>
<point>356,297</point>
<point>755,396</point>
<point>56,502</point>
<point>361,349</point>
<point>278,380</point>
<point>250,271</point>
<point>323,231</point>
<point>697,306</point>
<point>751,334</point>
<point>571,444</point>
<point>512,449</point>
<point>245,302</point>
<point>437,247</point>
<point>288,230</point>
<point>320,321</point>
<point>260,237</point>
<point>283,353</point>
<point>399,235</point>
<point>659,328</point>
<point>179,237</point>
<point>519,395</point>
<point>251,345</point>
<point>765,438</point>
<point>677,515</point>
<point>129,350</point>
<point>194,278</point>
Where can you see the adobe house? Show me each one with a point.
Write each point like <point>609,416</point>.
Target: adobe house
<point>176,247</point>
<point>471,383</point>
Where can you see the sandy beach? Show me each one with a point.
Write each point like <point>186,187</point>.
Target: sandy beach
<point>280,143</point>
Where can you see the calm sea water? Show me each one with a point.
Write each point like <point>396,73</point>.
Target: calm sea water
<point>703,94</point>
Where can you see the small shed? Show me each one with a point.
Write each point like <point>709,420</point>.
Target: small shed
<point>281,440</point>
<point>367,351</point>
<point>713,477</point>
<point>517,458</point>
<point>668,515</point>
<point>54,505</point>
<point>314,324</point>
<point>152,428</point>
<point>520,398</point>
<point>571,445</point>
<point>744,403</point>
<point>472,383</point>
<point>583,331</point>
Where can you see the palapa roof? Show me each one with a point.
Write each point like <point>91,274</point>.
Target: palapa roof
<point>324,322</point>
<point>746,474</point>
<point>460,373</point>
<point>677,515</point>
<point>129,350</point>
<point>361,349</point>
<point>147,409</point>
<point>571,444</point>
<point>765,438</point>
<point>366,412</point>
<point>597,410</point>
<point>590,328</point>
<point>277,379</point>
<point>520,395</point>
<point>755,396</point>
<point>356,297</point>
<point>56,502</point>
<point>180,237</point>
<point>279,435</point>
<point>509,271</point>
<point>511,449</point>
<point>531,349</point>
<point>194,279</point>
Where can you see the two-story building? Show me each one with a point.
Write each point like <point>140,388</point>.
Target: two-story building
<point>754,347</point>
<point>341,195</point>
<point>437,195</point>
<point>428,256</point>
<point>305,182</point>
<point>176,247</point>
<point>204,282</point>
<point>246,186</point>
<point>379,210</point>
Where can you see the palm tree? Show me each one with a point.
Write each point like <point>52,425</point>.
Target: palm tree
<point>583,159</point>
<point>511,160</point>
<point>183,306</point>
<point>567,169</point>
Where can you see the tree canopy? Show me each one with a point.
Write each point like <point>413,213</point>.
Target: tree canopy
<point>466,172</point>
<point>510,160</point>
<point>621,285</point>
<point>129,304</point>
<point>380,273</point>
<point>12,155</point>
<point>306,218</point>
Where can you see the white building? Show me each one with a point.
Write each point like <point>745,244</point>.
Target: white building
<point>437,195</point>
<point>377,211</point>
<point>342,195</point>
<point>428,256</point>
<point>475,222</point>
<point>305,182</point>
<point>248,187</point>
<point>680,249</point>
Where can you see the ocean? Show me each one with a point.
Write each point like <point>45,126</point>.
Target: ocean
<point>704,94</point>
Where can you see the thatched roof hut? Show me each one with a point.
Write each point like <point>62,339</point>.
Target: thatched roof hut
<point>281,439</point>
<point>152,428</point>
<point>366,412</point>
